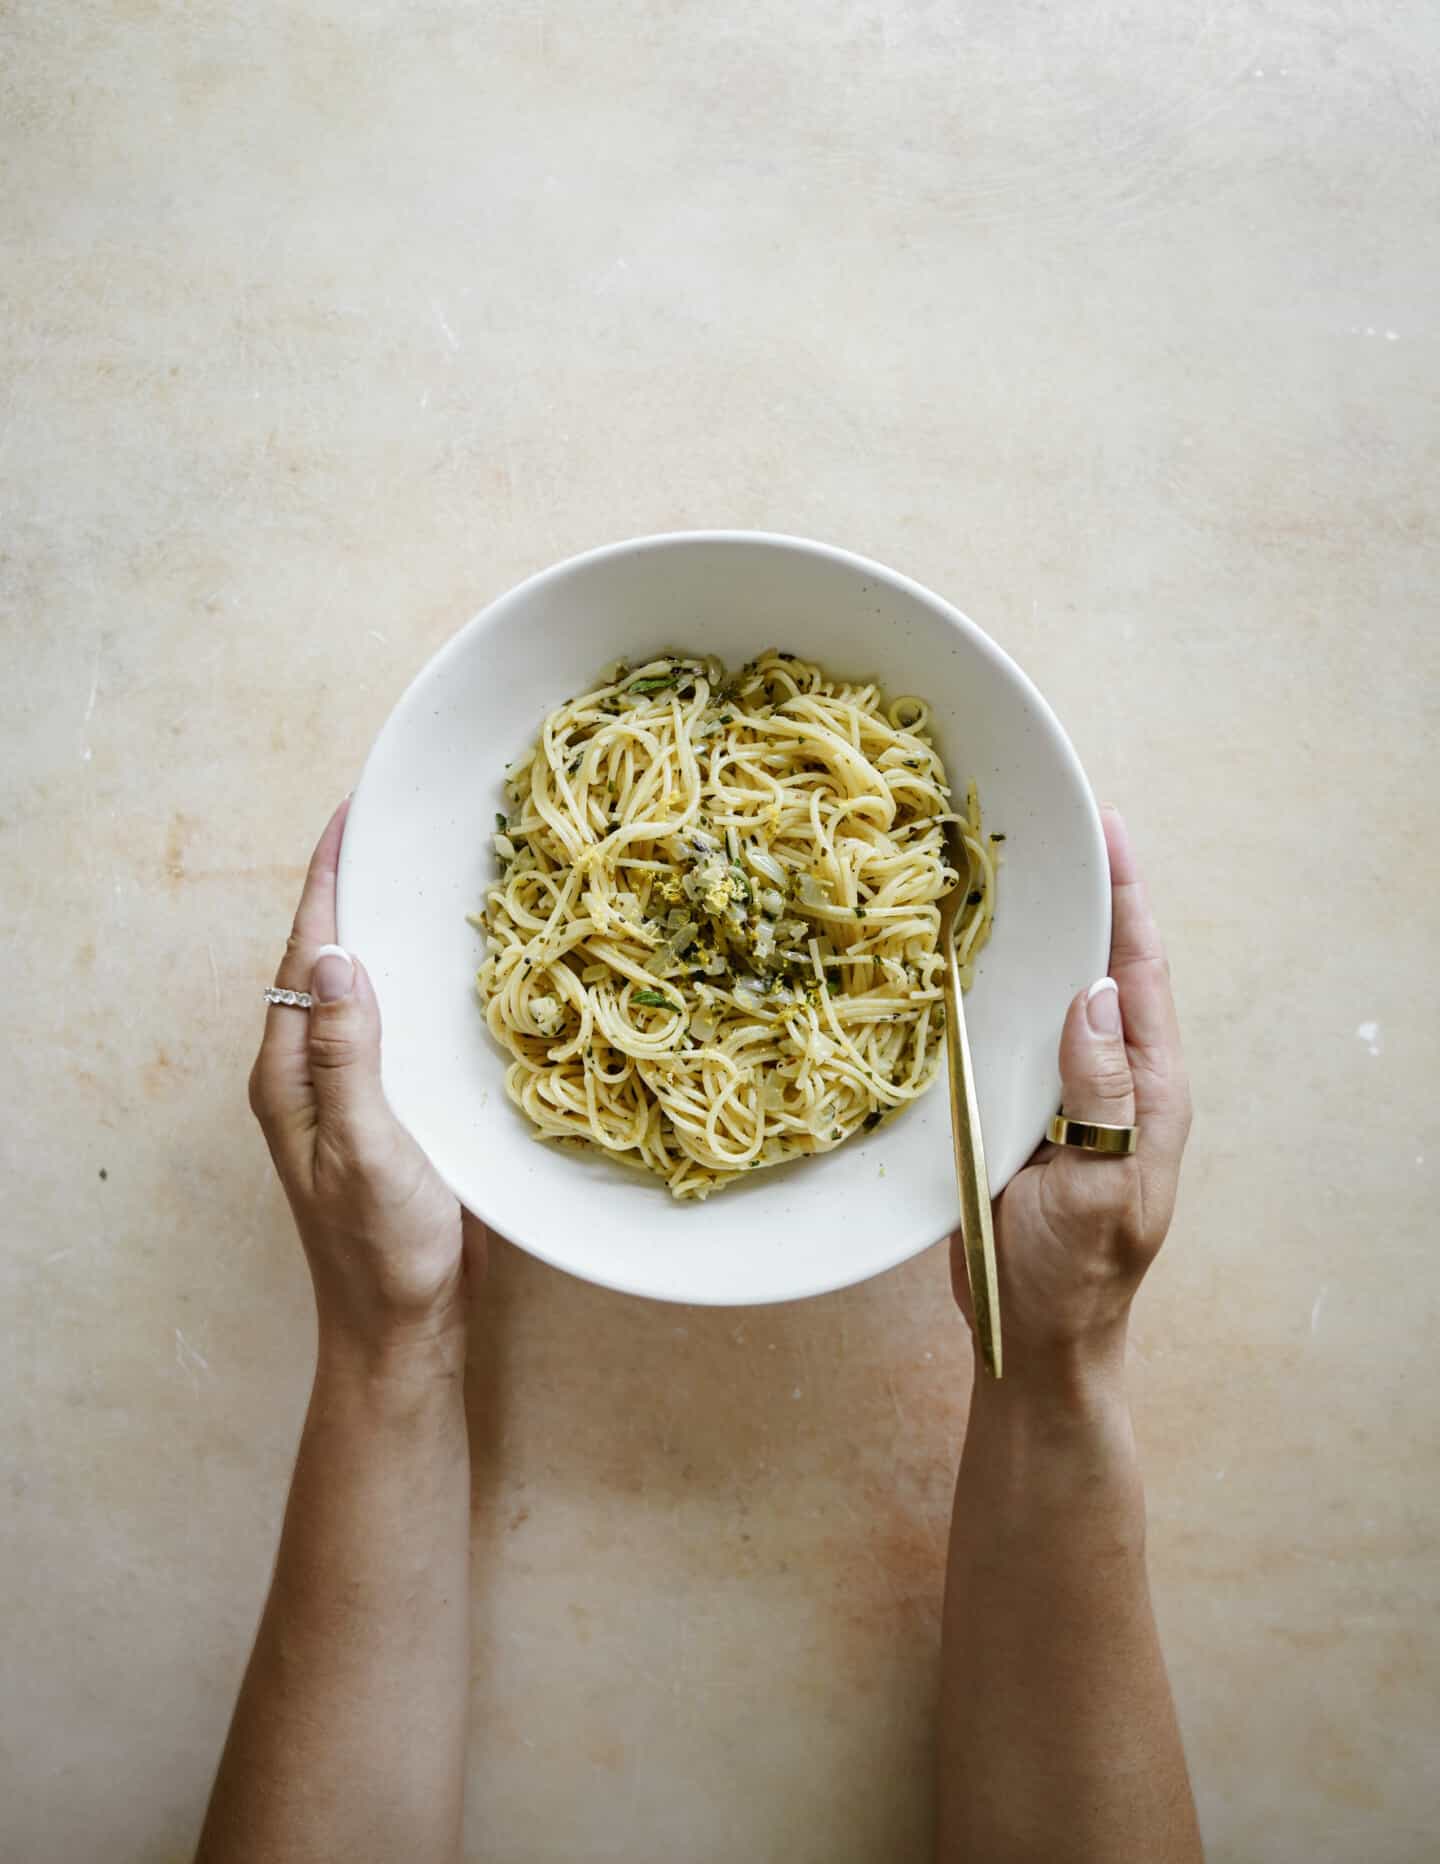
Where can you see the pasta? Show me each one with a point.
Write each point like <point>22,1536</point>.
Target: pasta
<point>712,944</point>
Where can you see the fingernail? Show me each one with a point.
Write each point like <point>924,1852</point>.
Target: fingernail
<point>1102,1007</point>
<point>333,975</point>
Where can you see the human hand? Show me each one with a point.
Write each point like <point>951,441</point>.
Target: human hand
<point>1075,1231</point>
<point>389,1252</point>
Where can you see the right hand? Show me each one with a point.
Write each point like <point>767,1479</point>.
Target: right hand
<point>1075,1231</point>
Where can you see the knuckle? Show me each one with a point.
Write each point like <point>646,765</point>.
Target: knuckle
<point>1111,1080</point>
<point>331,1049</point>
<point>259,1091</point>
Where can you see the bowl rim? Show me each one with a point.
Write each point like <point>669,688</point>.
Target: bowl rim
<point>871,567</point>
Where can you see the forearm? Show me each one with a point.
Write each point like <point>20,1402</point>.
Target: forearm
<point>349,1735</point>
<point>1058,1734</point>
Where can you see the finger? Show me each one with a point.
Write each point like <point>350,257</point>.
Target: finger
<point>1095,1078</point>
<point>282,1050</point>
<point>344,1046</point>
<point>280,1079</point>
<point>1137,963</point>
<point>314,923</point>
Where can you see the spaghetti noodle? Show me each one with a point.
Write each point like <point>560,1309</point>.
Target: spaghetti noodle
<point>712,945</point>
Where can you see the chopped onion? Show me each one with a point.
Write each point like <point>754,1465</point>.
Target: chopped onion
<point>504,847</point>
<point>594,974</point>
<point>547,1015</point>
<point>764,940</point>
<point>767,865</point>
<point>812,892</point>
<point>669,952</point>
<point>771,902</point>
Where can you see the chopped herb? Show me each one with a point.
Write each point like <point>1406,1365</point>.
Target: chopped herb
<point>871,1121</point>
<point>974,897</point>
<point>859,912</point>
<point>653,685</point>
<point>997,838</point>
<point>653,1000</point>
<point>500,822</point>
<point>729,719</point>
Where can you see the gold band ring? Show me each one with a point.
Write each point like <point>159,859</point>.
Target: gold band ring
<point>1089,1136</point>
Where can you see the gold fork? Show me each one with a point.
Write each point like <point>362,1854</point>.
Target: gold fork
<point>976,1232</point>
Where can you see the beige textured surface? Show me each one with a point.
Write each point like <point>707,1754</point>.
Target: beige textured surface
<point>324,323</point>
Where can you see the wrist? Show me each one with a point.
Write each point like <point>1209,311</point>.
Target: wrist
<point>1068,1399</point>
<point>1067,1377</point>
<point>391,1365</point>
<point>1056,1431</point>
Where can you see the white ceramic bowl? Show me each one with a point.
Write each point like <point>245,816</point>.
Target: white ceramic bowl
<point>417,858</point>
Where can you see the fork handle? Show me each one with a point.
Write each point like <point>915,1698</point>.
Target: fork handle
<point>976,1230</point>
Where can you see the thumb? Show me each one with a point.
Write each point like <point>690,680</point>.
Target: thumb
<point>344,1040</point>
<point>1095,1079</point>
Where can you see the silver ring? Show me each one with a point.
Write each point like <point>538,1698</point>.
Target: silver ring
<point>291,999</point>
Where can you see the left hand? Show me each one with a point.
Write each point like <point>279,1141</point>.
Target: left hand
<point>389,1249</point>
